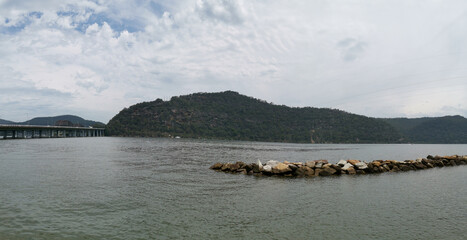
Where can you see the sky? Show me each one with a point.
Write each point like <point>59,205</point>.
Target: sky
<point>92,58</point>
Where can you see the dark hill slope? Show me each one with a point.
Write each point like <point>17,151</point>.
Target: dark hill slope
<point>448,129</point>
<point>52,120</point>
<point>3,121</point>
<point>44,121</point>
<point>229,115</point>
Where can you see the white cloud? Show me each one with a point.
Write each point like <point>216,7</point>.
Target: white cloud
<point>384,58</point>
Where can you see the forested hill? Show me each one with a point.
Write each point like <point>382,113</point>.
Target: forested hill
<point>229,115</point>
<point>44,121</point>
<point>448,129</point>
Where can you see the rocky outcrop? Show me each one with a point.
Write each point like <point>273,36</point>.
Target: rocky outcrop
<point>323,168</point>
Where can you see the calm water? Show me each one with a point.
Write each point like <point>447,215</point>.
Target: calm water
<point>143,188</point>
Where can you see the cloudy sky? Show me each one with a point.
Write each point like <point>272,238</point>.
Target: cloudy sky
<point>385,58</point>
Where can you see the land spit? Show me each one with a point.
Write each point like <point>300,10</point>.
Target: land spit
<point>323,168</point>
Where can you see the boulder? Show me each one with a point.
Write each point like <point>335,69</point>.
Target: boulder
<point>248,167</point>
<point>351,171</point>
<point>293,167</point>
<point>450,157</point>
<point>272,163</point>
<point>267,168</point>
<point>317,172</point>
<point>395,169</point>
<point>226,167</point>
<point>368,170</point>
<point>337,167</point>
<point>390,162</point>
<point>305,171</point>
<point>241,164</point>
<point>256,167</point>
<point>358,171</point>
<point>353,162</point>
<point>372,168</point>
<point>319,165</point>
<point>361,165</point>
<point>386,167</point>
<point>281,168</point>
<point>439,164</point>
<point>324,161</point>
<point>347,166</point>
<point>234,167</point>
<point>217,166</point>
<point>259,164</point>
<point>310,164</point>
<point>376,163</point>
<point>327,171</point>
<point>341,163</point>
<point>405,168</point>
<point>452,163</point>
<point>419,165</point>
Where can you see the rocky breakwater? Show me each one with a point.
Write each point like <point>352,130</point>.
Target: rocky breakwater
<point>323,168</point>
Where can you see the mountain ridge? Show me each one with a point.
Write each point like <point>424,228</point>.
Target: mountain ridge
<point>446,129</point>
<point>44,121</point>
<point>230,115</point>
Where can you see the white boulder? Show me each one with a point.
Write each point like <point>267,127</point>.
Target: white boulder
<point>272,163</point>
<point>347,166</point>
<point>267,168</point>
<point>341,163</point>
<point>361,165</point>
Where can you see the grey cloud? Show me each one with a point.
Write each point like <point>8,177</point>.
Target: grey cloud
<point>280,51</point>
<point>31,102</point>
<point>351,49</point>
<point>221,10</point>
<point>33,92</point>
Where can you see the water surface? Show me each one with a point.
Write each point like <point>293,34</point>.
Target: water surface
<point>150,188</point>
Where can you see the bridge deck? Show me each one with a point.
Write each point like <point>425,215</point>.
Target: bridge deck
<point>37,131</point>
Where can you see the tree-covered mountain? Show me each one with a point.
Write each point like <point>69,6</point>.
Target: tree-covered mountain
<point>44,121</point>
<point>448,129</point>
<point>229,115</point>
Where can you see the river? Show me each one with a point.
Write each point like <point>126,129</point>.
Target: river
<point>155,188</point>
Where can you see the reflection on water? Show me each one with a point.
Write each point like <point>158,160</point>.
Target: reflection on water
<point>143,188</point>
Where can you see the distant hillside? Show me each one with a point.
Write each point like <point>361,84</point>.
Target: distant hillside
<point>51,121</point>
<point>229,115</point>
<point>448,129</point>
<point>2,121</point>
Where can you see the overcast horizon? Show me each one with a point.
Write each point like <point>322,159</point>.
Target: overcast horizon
<point>93,58</point>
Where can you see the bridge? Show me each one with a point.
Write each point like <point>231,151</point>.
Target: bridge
<point>33,131</point>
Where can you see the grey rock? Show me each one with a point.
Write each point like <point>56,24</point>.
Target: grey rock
<point>361,165</point>
<point>347,166</point>
<point>272,163</point>
<point>341,163</point>
<point>310,164</point>
<point>267,168</point>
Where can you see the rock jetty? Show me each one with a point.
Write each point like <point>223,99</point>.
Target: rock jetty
<point>323,168</point>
